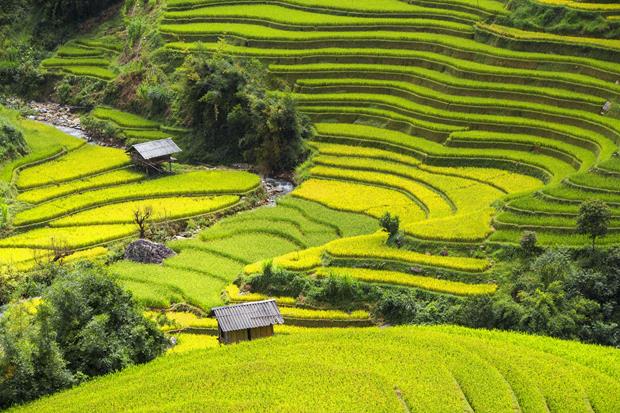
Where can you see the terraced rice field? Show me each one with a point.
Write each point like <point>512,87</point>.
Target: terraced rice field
<point>426,115</point>
<point>429,369</point>
<point>417,116</point>
<point>219,253</point>
<point>81,197</point>
<point>88,57</point>
<point>133,128</point>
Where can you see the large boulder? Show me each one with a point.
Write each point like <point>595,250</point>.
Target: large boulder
<point>147,252</point>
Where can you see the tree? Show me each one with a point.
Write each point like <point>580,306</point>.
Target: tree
<point>391,224</point>
<point>58,12</point>
<point>31,362</point>
<point>528,243</point>
<point>12,143</point>
<point>593,220</point>
<point>83,325</point>
<point>237,118</point>
<point>141,217</point>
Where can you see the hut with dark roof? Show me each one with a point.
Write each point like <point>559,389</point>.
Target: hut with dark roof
<point>248,321</point>
<point>151,155</point>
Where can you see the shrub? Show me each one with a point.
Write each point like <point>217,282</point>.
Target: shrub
<point>100,130</point>
<point>12,143</point>
<point>528,243</point>
<point>391,225</point>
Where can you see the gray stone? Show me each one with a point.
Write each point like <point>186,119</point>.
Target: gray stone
<point>147,252</point>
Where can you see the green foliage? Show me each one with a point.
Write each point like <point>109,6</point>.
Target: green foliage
<point>12,143</point>
<point>236,118</point>
<point>413,307</point>
<point>573,297</point>
<point>593,220</point>
<point>531,15</point>
<point>528,242</point>
<point>99,129</point>
<point>391,225</point>
<point>59,12</point>
<point>83,325</point>
<point>31,361</point>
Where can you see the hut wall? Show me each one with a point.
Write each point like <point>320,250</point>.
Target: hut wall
<point>235,336</point>
<point>261,332</point>
<point>245,335</point>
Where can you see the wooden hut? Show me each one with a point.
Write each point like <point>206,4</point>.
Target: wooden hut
<point>153,154</point>
<point>248,321</point>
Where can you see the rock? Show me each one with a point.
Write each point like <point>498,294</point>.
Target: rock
<point>147,252</point>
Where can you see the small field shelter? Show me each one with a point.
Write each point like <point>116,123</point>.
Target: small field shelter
<point>247,321</point>
<point>151,155</point>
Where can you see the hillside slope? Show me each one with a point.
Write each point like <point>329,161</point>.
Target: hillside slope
<point>420,369</point>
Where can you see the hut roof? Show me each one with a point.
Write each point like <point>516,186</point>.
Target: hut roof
<point>248,315</point>
<point>155,149</point>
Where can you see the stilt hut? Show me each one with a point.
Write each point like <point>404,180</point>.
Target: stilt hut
<point>153,154</point>
<point>246,322</point>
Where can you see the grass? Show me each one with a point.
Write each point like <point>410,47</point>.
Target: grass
<point>124,119</point>
<point>369,247</point>
<point>158,286</point>
<point>112,178</point>
<point>187,184</point>
<point>395,140</point>
<point>71,237</point>
<point>549,238</point>
<point>234,295</point>
<point>585,157</point>
<point>457,85</point>
<point>408,280</point>
<point>436,98</point>
<point>604,182</point>
<point>164,209</point>
<point>574,194</point>
<point>357,197</point>
<point>507,123</point>
<point>368,6</point>
<point>589,6</point>
<point>89,71</point>
<point>507,181</point>
<point>495,369</point>
<point>609,44</point>
<point>43,140</point>
<point>456,45</point>
<point>304,313</point>
<point>296,18</point>
<point>85,161</point>
<point>542,221</point>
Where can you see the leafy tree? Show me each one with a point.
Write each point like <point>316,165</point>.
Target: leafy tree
<point>57,12</point>
<point>12,143</point>
<point>593,220</point>
<point>391,224</point>
<point>528,243</point>
<point>31,362</point>
<point>235,117</point>
<point>83,325</point>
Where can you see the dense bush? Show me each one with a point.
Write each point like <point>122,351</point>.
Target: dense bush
<point>59,12</point>
<point>531,15</point>
<point>12,143</point>
<point>83,325</point>
<point>235,117</point>
<point>562,294</point>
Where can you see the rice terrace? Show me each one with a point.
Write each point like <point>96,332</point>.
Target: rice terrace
<point>310,206</point>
